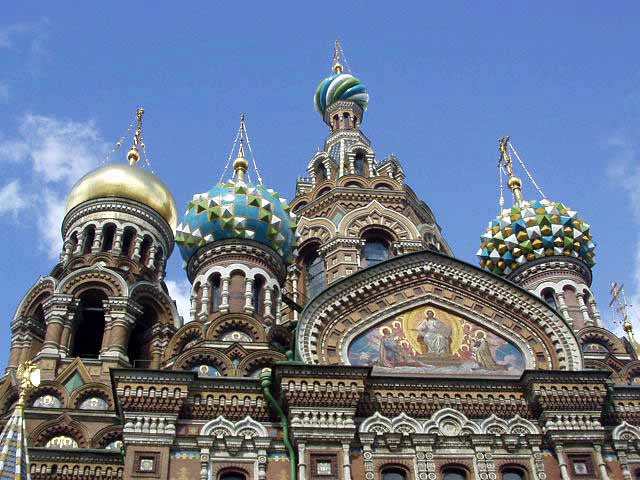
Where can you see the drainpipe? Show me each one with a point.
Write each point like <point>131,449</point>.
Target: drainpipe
<point>265,382</point>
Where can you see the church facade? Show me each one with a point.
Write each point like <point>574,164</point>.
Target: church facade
<point>335,336</point>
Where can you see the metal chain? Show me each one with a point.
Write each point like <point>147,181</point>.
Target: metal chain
<point>117,145</point>
<point>524,167</point>
<point>253,157</point>
<point>500,188</point>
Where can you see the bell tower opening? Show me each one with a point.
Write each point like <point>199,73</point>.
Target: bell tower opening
<point>89,325</point>
<point>139,349</point>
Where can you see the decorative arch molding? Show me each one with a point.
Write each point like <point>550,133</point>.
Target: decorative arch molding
<point>561,285</point>
<point>92,276</point>
<point>192,331</point>
<point>236,321</point>
<point>630,371</point>
<point>147,291</point>
<point>246,428</point>
<point>626,431</point>
<point>375,214</point>
<point>602,337</point>
<point>63,425</point>
<point>203,355</point>
<point>44,285</point>
<point>48,387</point>
<point>359,147</point>
<point>225,272</point>
<point>105,436</point>
<point>362,182</point>
<point>447,422</point>
<point>259,359</point>
<point>89,390</point>
<point>320,229</point>
<point>366,298</point>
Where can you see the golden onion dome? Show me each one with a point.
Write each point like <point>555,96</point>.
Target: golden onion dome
<point>125,181</point>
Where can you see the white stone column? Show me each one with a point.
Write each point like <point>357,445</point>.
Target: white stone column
<point>151,261</point>
<point>267,303</point>
<point>293,274</point>
<point>302,465</point>
<point>563,308</point>
<point>562,462</point>
<point>278,302</point>
<point>584,310</point>
<point>224,297</point>
<point>66,251</point>
<point>136,248</point>
<point>97,241</point>
<point>248,294</point>
<point>596,313</point>
<point>204,303</point>
<point>117,241</point>
<point>600,462</point>
<point>204,464</point>
<point>346,461</point>
<point>194,306</point>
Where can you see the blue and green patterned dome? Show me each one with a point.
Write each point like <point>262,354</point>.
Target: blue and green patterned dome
<point>532,230</point>
<point>237,209</point>
<point>340,86</point>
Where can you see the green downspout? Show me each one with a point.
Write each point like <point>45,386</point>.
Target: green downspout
<point>265,381</point>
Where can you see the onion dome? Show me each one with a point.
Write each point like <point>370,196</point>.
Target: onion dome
<point>237,209</point>
<point>126,181</point>
<point>532,229</point>
<point>340,86</point>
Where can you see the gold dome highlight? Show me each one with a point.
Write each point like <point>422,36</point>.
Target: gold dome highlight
<point>125,181</point>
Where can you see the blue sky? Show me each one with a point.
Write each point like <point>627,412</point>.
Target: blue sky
<point>446,81</point>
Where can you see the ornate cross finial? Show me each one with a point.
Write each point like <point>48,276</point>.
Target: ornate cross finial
<point>505,162</point>
<point>338,58</point>
<point>134,152</point>
<point>621,310</point>
<point>241,165</point>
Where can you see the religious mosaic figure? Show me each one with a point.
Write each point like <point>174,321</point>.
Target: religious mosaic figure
<point>435,334</point>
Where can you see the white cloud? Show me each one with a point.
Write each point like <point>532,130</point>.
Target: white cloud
<point>57,152</point>
<point>12,198</point>
<point>33,35</point>
<point>180,291</point>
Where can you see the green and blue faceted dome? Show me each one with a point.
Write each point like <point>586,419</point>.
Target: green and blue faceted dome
<point>237,210</point>
<point>531,230</point>
<point>340,86</point>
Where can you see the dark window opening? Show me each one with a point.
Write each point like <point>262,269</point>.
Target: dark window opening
<point>145,249</point>
<point>454,474</point>
<point>549,297</point>
<point>257,293</point>
<point>315,275</point>
<point>88,238</point>
<point>275,295</point>
<point>233,476</point>
<point>321,172</point>
<point>139,349</point>
<point>89,325</point>
<point>394,474</point>
<point>215,292</point>
<point>358,164</point>
<point>159,257</point>
<point>376,248</point>
<point>73,242</point>
<point>128,237</point>
<point>108,233</point>
<point>513,474</point>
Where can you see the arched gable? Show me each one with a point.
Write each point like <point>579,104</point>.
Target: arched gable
<point>44,286</point>
<point>348,307</point>
<point>97,275</point>
<point>375,214</point>
<point>163,302</point>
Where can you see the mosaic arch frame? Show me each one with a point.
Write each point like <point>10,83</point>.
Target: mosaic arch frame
<point>482,357</point>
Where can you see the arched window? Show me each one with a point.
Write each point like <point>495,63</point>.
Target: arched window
<point>87,238</point>
<point>215,292</point>
<point>257,292</point>
<point>128,237</point>
<point>275,296</point>
<point>139,350</point>
<point>314,274</point>
<point>236,291</point>
<point>321,172</point>
<point>549,296</point>
<point>376,248</point>
<point>232,476</point>
<point>108,232</point>
<point>358,163</point>
<point>513,473</point>
<point>346,120</point>
<point>454,473</point>
<point>394,473</point>
<point>159,257</point>
<point>73,242</point>
<point>89,325</point>
<point>145,249</point>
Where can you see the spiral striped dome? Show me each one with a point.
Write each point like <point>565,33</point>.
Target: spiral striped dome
<point>340,86</point>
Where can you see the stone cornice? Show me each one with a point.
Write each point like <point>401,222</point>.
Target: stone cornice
<point>544,267</point>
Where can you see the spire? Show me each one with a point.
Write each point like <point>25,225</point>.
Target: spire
<point>14,456</point>
<point>134,153</point>
<point>338,58</point>
<point>241,164</point>
<point>621,311</point>
<point>506,163</point>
